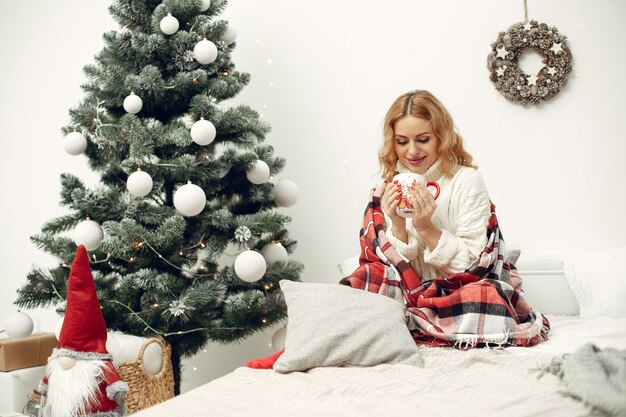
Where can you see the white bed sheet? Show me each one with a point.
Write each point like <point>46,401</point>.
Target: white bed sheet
<point>485,382</point>
<point>568,333</point>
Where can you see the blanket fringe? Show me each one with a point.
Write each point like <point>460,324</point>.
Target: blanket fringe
<point>500,341</point>
<point>466,342</point>
<point>493,341</point>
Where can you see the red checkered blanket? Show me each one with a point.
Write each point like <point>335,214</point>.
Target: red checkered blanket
<point>484,305</point>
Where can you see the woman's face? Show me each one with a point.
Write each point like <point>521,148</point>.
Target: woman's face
<point>415,144</point>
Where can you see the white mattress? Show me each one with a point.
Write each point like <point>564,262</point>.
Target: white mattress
<point>485,382</point>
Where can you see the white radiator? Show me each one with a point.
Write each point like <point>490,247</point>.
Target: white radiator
<point>545,285</point>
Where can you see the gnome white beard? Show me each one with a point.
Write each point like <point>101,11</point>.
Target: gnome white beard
<point>70,391</point>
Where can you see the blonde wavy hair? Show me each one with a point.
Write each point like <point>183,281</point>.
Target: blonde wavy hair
<point>422,104</point>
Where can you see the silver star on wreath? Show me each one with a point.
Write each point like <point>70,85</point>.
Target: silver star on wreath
<point>527,26</point>
<point>502,52</point>
<point>532,79</point>
<point>556,48</point>
<point>551,70</point>
<point>243,234</point>
<point>500,72</point>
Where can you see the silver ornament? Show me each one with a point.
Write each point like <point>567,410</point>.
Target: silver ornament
<point>243,234</point>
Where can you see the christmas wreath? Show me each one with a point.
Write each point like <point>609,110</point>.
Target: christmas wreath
<point>511,81</point>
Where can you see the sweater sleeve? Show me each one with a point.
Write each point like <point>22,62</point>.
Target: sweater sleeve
<point>408,249</point>
<point>456,250</point>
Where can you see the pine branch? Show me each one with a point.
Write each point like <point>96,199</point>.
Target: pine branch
<point>70,184</point>
<point>43,289</point>
<point>234,122</point>
<point>62,247</point>
<point>263,222</point>
<point>61,223</point>
<point>278,271</point>
<point>224,88</point>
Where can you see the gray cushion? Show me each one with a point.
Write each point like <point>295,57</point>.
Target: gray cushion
<point>335,325</point>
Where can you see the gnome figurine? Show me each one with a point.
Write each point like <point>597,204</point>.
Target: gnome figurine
<point>80,378</point>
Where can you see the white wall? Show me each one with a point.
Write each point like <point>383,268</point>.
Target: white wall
<point>323,74</point>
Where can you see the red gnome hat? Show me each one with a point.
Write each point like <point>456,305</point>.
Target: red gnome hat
<point>84,329</point>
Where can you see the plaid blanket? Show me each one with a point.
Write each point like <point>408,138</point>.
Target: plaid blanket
<point>484,305</point>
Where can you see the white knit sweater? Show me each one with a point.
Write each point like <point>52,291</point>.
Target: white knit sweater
<point>462,215</point>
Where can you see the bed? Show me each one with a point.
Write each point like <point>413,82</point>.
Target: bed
<point>514,381</point>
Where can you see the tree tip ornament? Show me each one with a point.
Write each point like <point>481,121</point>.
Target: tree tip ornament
<point>511,81</point>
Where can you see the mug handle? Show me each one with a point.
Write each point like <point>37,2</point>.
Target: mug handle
<point>434,184</point>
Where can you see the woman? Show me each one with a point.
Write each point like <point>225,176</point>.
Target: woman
<point>447,235</point>
<point>459,289</point>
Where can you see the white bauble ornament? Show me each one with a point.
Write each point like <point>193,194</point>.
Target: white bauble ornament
<point>125,348</point>
<point>258,173</point>
<point>203,132</point>
<point>89,234</point>
<point>278,339</point>
<point>57,328</point>
<point>133,103</point>
<point>250,266</point>
<point>205,52</point>
<point>286,193</point>
<point>204,5</point>
<point>18,325</point>
<point>139,183</point>
<point>229,36</point>
<point>74,143</point>
<point>169,24</point>
<point>189,199</point>
<point>274,252</point>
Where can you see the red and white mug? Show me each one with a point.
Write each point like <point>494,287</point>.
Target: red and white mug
<point>406,180</point>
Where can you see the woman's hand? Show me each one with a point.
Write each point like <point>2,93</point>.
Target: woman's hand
<point>424,205</point>
<point>389,202</point>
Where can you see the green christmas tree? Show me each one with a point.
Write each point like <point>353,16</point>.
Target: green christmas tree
<point>181,178</point>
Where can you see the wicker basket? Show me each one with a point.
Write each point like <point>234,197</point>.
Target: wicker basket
<point>145,389</point>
